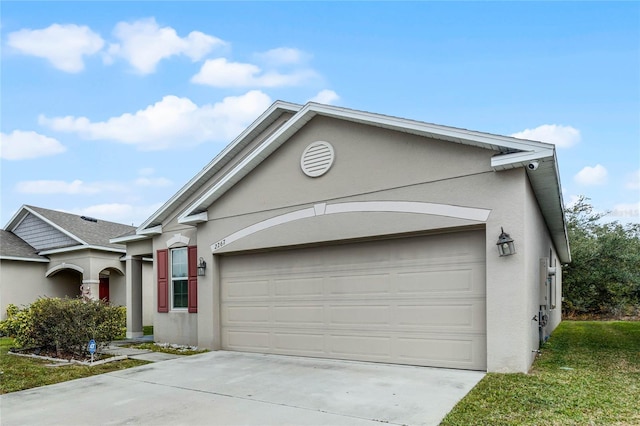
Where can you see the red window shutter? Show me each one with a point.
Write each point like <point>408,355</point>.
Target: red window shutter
<point>162,259</point>
<point>192,260</point>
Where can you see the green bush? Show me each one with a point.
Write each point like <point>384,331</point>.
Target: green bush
<point>66,325</point>
<point>17,319</point>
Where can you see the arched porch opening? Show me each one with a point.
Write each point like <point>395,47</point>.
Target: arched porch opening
<point>112,286</point>
<point>67,280</point>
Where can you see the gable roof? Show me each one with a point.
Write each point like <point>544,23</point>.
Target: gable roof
<point>87,232</point>
<point>13,247</point>
<point>509,153</point>
<point>273,113</point>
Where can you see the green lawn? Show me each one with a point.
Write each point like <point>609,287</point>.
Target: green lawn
<point>19,373</point>
<point>587,374</point>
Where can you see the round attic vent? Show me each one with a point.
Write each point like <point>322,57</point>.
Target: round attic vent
<point>317,159</point>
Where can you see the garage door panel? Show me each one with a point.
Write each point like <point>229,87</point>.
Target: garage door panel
<point>443,351</point>
<point>360,285</point>
<point>247,315</point>
<point>246,289</point>
<point>434,281</point>
<point>421,301</point>
<point>360,315</point>
<point>299,286</point>
<point>299,343</point>
<point>361,347</point>
<point>306,314</point>
<point>467,317</point>
<point>252,341</point>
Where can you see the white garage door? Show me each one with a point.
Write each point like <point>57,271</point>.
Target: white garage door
<point>418,301</point>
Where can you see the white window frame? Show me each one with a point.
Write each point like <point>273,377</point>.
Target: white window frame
<point>174,279</point>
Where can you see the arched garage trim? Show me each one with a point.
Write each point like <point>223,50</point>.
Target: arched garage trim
<point>320,209</point>
<point>62,266</point>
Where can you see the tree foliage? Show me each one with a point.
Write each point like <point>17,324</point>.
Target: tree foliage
<point>604,275</point>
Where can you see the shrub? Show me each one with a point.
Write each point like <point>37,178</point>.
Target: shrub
<point>67,325</point>
<point>16,319</point>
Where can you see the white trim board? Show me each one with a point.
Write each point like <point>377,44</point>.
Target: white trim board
<point>321,209</point>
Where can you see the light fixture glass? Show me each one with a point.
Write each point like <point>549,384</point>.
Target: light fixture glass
<point>202,265</point>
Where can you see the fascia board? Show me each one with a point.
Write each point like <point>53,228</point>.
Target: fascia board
<point>79,248</point>
<point>24,259</point>
<point>428,129</point>
<point>16,219</point>
<point>194,219</point>
<point>156,230</point>
<point>285,106</point>
<point>500,161</point>
<point>128,239</point>
<point>52,224</point>
<point>565,237</point>
<point>248,163</point>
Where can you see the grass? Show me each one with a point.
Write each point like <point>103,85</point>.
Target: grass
<point>168,349</point>
<point>588,373</point>
<point>19,373</point>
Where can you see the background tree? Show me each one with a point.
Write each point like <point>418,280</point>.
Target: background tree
<point>604,276</point>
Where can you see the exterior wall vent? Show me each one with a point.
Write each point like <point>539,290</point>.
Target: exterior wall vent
<point>317,159</point>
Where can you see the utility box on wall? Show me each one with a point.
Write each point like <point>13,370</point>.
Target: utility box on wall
<point>544,282</point>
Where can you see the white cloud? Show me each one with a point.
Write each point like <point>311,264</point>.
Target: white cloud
<point>633,181</point>
<point>631,210</point>
<point>62,45</point>
<point>170,123</point>
<point>156,182</point>
<point>221,73</point>
<point>283,56</point>
<point>21,145</point>
<point>76,187</point>
<point>325,97</point>
<point>571,201</point>
<point>560,136</point>
<point>596,175</point>
<point>144,43</point>
<point>118,212</point>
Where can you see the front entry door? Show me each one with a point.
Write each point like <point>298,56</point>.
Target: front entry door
<point>104,289</point>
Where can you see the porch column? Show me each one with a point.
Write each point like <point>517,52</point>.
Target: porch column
<point>133,278</point>
<point>90,289</point>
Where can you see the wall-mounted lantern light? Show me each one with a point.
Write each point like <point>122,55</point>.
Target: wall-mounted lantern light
<point>202,265</point>
<point>505,244</point>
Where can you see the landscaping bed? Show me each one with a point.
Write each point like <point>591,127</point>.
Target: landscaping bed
<point>20,373</point>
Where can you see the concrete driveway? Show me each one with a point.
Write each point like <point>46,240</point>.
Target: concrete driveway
<point>232,388</point>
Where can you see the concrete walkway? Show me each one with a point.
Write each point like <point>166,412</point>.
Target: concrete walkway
<point>142,354</point>
<point>233,388</point>
<point>117,349</point>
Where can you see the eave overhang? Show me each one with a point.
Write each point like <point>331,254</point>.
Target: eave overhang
<point>24,259</point>
<point>80,248</point>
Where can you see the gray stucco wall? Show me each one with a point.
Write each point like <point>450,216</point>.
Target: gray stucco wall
<point>374,164</point>
<point>540,246</point>
<point>25,282</point>
<point>180,326</point>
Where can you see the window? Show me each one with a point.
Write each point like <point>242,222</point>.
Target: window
<point>179,279</point>
<point>177,274</point>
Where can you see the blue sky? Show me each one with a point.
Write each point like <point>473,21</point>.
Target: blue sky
<point>108,108</point>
